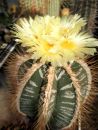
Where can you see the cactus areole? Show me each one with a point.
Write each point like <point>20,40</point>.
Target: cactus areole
<point>58,82</point>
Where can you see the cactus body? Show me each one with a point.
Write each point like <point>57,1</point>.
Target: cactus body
<point>52,97</point>
<point>54,8</point>
<point>50,7</point>
<point>48,95</point>
<point>33,6</point>
<point>32,90</point>
<point>26,5</point>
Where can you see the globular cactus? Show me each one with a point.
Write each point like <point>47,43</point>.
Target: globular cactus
<point>50,83</point>
<point>51,97</point>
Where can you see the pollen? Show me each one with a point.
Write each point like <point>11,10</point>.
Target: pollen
<point>67,44</point>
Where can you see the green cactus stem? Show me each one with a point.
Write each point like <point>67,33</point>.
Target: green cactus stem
<point>54,8</point>
<point>52,97</point>
<point>50,7</point>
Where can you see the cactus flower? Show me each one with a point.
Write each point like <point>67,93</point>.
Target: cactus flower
<point>54,39</point>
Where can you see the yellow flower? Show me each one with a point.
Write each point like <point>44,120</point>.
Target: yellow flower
<point>72,23</point>
<point>54,39</point>
<point>77,46</point>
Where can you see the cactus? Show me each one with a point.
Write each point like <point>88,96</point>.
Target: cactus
<point>50,7</point>
<point>26,5</point>
<point>50,86</point>
<point>43,87</point>
<point>50,97</point>
<point>54,8</point>
<point>34,6</point>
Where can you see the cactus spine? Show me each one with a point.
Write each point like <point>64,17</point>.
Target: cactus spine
<point>52,97</point>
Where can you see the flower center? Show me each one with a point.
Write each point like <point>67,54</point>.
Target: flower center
<point>48,46</point>
<point>68,44</point>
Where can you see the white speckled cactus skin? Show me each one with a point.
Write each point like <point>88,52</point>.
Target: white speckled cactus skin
<point>42,92</point>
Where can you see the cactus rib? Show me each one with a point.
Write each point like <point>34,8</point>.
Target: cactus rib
<point>78,92</point>
<point>16,87</point>
<point>44,112</point>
